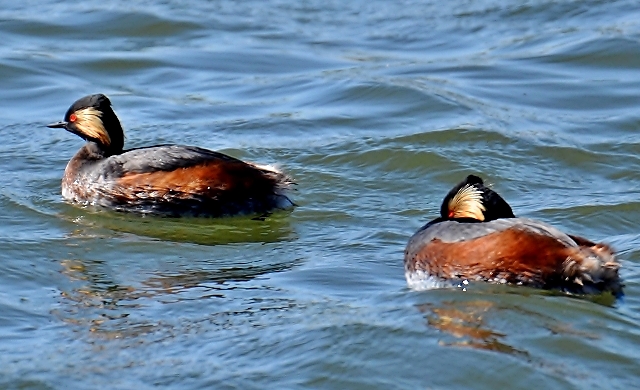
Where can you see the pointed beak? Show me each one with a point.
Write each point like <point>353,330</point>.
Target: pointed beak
<point>58,125</point>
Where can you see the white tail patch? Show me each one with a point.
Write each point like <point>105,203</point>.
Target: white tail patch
<point>283,184</point>
<point>467,203</point>
<point>284,181</point>
<point>270,168</point>
<point>89,122</point>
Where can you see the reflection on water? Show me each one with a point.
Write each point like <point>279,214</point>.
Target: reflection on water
<point>480,324</point>
<point>466,322</point>
<point>265,228</point>
<point>107,309</point>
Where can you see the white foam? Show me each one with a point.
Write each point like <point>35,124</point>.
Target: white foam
<point>422,281</point>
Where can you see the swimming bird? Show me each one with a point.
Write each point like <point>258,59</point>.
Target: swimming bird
<point>171,180</point>
<point>477,237</point>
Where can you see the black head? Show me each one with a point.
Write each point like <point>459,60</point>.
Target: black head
<point>470,199</point>
<point>93,119</point>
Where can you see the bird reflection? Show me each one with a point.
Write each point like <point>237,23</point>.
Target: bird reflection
<point>469,325</point>
<point>465,321</point>
<point>112,310</point>
<point>265,228</point>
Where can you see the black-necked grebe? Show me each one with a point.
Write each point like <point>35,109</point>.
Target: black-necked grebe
<point>477,237</point>
<point>170,180</point>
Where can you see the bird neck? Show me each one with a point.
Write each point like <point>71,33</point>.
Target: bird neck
<point>116,134</point>
<point>96,151</point>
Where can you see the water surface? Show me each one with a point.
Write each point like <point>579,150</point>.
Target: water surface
<point>376,109</point>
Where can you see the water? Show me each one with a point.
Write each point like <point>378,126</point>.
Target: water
<point>376,109</point>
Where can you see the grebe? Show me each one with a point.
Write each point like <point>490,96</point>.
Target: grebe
<point>171,180</point>
<point>477,237</point>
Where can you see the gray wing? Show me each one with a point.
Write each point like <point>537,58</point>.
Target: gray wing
<point>160,158</point>
<point>452,231</point>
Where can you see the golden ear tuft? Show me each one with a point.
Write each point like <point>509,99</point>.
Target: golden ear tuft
<point>88,122</point>
<point>467,203</point>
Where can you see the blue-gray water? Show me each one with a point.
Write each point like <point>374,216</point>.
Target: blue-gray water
<point>377,109</point>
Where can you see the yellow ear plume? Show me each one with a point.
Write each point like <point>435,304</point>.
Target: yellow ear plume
<point>88,122</point>
<point>467,203</point>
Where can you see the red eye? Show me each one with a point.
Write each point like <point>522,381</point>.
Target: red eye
<point>72,118</point>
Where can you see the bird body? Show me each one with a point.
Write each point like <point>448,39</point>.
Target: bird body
<point>165,179</point>
<point>477,237</point>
